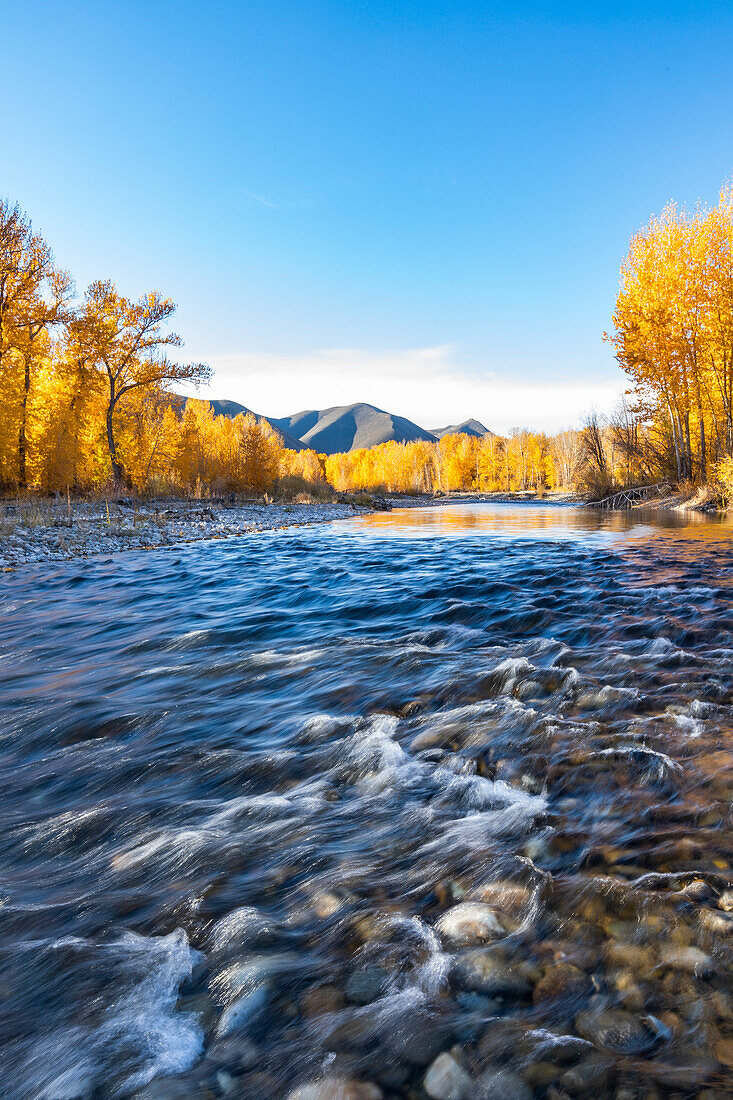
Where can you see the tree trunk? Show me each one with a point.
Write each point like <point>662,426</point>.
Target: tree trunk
<point>117,470</point>
<point>22,473</point>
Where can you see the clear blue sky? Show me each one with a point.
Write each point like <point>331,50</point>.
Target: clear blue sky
<point>420,204</point>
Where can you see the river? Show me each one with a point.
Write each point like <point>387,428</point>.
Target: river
<point>435,802</point>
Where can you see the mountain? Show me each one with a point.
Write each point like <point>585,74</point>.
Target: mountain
<point>349,428</point>
<point>343,427</point>
<point>467,427</point>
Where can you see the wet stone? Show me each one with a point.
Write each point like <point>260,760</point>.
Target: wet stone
<point>446,1079</point>
<point>542,1074</point>
<point>563,981</point>
<point>472,922</point>
<point>501,1084</point>
<point>325,998</point>
<point>337,1088</point>
<point>689,959</point>
<point>616,1030</point>
<point>491,974</point>
<point>366,984</point>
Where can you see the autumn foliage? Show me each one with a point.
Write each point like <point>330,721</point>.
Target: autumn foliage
<point>87,391</point>
<point>673,336</point>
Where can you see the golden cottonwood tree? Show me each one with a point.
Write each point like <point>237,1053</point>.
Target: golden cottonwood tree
<point>125,341</point>
<point>673,331</point>
<point>34,297</point>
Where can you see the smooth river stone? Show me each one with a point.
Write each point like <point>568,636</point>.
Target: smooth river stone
<point>337,1088</point>
<point>472,922</point>
<point>447,1080</point>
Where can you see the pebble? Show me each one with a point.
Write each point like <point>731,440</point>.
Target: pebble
<point>92,531</point>
<point>561,981</point>
<point>690,959</point>
<point>446,1079</point>
<point>366,985</point>
<point>487,972</point>
<point>325,998</point>
<point>472,922</point>
<point>724,1052</point>
<point>501,1084</point>
<point>337,1088</point>
<point>615,1030</point>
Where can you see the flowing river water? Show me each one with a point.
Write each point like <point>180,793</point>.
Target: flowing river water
<point>432,803</point>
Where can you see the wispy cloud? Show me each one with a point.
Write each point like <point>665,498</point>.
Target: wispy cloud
<point>261,199</point>
<point>426,385</point>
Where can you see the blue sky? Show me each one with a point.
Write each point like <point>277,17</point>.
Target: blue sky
<point>423,205</point>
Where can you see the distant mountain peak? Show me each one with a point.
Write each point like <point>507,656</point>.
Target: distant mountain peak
<point>466,427</point>
<point>350,428</point>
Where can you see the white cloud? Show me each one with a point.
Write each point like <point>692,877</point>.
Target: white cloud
<point>424,384</point>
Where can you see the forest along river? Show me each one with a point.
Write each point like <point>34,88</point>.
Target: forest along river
<point>436,801</point>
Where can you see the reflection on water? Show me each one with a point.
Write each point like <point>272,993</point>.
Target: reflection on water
<point>538,520</point>
<point>443,816</point>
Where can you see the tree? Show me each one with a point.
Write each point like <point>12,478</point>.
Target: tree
<point>126,342</point>
<point>34,297</point>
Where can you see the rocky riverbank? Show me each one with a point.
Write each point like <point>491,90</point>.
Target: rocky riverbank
<point>44,531</point>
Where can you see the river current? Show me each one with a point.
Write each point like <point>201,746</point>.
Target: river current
<point>429,803</point>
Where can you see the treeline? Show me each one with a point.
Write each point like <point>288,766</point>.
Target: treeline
<point>86,404</point>
<point>673,336</point>
<point>523,461</point>
<point>84,392</point>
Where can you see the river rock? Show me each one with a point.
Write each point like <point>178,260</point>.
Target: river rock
<point>337,1088</point>
<point>366,984</point>
<point>322,999</point>
<point>616,1030</point>
<point>501,1084</point>
<point>633,956</point>
<point>504,896</point>
<point>559,982</point>
<point>418,1039</point>
<point>725,901</point>
<point>483,970</point>
<point>242,1010</point>
<point>724,1051</point>
<point>587,1078</point>
<point>244,926</point>
<point>446,1079</point>
<point>540,1075</point>
<point>472,922</point>
<point>690,959</point>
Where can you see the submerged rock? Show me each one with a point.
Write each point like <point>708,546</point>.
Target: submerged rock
<point>616,1030</point>
<point>725,901</point>
<point>366,985</point>
<point>472,922</point>
<point>337,1088</point>
<point>446,1079</point>
<point>690,959</point>
<point>561,981</point>
<point>483,970</point>
<point>501,1084</point>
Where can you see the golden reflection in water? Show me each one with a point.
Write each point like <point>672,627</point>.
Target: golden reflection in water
<point>539,521</point>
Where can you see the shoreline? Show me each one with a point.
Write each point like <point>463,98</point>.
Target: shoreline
<point>46,531</point>
<point>39,532</point>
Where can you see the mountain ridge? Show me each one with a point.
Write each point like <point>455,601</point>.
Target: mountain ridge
<point>343,428</point>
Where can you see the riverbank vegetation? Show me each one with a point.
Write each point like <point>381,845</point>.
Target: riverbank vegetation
<point>86,392</point>
<point>85,389</point>
<point>673,336</point>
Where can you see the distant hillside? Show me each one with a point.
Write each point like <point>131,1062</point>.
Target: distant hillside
<point>297,424</point>
<point>344,427</point>
<point>350,428</point>
<point>467,427</point>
